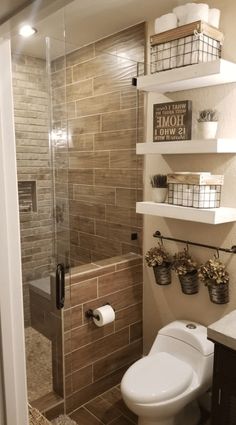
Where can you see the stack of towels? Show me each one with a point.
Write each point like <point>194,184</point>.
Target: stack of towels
<point>186,14</point>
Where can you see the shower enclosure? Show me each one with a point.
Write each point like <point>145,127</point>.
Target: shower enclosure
<point>77,120</point>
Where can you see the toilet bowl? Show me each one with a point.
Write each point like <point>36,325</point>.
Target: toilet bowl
<point>162,387</point>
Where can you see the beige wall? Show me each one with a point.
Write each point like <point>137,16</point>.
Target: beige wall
<point>161,305</point>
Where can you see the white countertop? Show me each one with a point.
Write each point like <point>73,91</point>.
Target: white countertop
<point>224,330</point>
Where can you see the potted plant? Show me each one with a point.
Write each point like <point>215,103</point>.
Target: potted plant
<point>215,276</point>
<point>159,187</point>
<point>160,260</point>
<point>187,271</point>
<point>208,123</point>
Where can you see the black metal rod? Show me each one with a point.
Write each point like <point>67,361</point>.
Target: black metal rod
<point>231,250</point>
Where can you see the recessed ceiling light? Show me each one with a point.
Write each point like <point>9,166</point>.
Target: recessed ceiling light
<point>27,31</point>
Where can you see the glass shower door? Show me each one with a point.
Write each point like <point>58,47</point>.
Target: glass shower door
<point>58,136</point>
<point>41,146</point>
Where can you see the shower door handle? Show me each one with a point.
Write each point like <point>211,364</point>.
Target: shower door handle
<point>60,286</point>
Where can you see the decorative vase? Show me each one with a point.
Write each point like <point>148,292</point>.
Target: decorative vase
<point>189,283</point>
<point>207,129</point>
<point>163,274</point>
<point>218,293</point>
<point>159,194</point>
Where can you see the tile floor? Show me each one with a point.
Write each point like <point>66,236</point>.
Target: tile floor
<point>107,409</point>
<point>38,364</point>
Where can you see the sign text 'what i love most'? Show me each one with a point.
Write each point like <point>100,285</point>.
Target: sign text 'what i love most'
<point>172,121</point>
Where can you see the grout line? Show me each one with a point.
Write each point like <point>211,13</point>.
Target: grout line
<point>115,419</point>
<point>92,373</point>
<point>105,296</point>
<point>92,414</point>
<point>105,356</point>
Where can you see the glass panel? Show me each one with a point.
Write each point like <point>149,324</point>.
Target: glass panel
<point>105,118</point>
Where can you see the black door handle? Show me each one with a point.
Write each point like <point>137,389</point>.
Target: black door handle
<point>60,286</point>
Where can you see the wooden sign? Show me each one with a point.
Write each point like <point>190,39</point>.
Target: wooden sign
<point>172,121</point>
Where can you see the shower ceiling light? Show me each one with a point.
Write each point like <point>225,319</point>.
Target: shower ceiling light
<point>27,31</point>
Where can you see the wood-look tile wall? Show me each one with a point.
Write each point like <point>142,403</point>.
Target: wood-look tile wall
<point>93,94</point>
<point>97,357</point>
<point>32,152</point>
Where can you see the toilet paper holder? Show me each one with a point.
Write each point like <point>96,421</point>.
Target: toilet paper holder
<point>90,314</point>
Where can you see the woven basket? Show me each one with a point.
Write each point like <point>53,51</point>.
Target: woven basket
<point>163,274</point>
<point>219,294</point>
<point>189,283</point>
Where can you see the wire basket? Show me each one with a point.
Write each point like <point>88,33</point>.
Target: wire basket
<point>185,51</point>
<point>196,196</point>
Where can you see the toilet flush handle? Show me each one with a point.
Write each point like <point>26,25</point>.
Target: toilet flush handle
<point>191,326</point>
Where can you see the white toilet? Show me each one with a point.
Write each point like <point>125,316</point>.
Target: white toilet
<point>161,387</point>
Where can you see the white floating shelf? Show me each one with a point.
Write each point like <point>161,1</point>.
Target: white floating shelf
<point>188,147</point>
<point>189,77</point>
<point>209,216</point>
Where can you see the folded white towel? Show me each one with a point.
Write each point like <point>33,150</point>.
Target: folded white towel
<point>165,23</point>
<point>197,12</point>
<point>180,12</point>
<point>214,18</point>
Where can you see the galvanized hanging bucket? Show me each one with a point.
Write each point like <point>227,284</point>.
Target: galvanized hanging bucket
<point>189,283</point>
<point>218,293</point>
<point>163,274</point>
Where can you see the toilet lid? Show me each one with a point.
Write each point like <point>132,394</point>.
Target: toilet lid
<point>156,378</point>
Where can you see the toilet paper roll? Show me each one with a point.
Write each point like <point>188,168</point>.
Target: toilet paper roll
<point>180,12</point>
<point>214,18</point>
<point>197,12</point>
<point>165,23</point>
<point>105,315</point>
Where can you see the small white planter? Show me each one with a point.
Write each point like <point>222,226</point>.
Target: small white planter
<point>159,194</point>
<point>207,129</point>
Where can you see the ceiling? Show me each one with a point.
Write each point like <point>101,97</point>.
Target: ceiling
<point>11,7</point>
<point>85,21</point>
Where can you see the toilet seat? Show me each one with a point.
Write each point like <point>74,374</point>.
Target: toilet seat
<point>155,378</point>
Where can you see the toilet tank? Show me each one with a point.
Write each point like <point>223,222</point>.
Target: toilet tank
<point>187,341</point>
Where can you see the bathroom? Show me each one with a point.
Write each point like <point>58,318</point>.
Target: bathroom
<point>78,118</point>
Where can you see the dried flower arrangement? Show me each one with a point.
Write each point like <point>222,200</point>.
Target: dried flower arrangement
<point>157,256</point>
<point>183,263</point>
<point>160,260</point>
<point>186,269</point>
<point>213,272</point>
<point>159,180</point>
<point>215,276</point>
<point>208,115</point>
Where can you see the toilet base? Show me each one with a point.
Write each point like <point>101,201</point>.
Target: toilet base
<point>190,415</point>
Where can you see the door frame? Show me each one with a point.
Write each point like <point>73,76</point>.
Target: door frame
<point>11,298</point>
